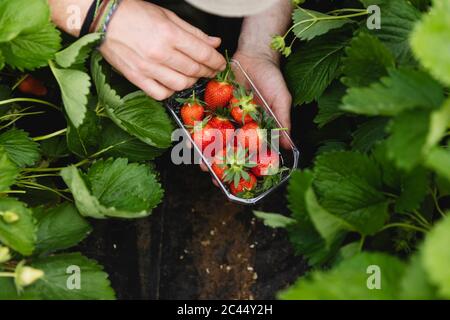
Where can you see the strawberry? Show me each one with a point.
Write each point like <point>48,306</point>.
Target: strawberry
<point>267,163</point>
<point>244,185</point>
<point>203,135</point>
<point>231,164</point>
<point>218,94</point>
<point>225,126</point>
<point>33,86</point>
<point>243,107</point>
<point>250,136</point>
<point>219,91</point>
<point>192,110</point>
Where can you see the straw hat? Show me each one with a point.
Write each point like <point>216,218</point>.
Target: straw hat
<point>232,8</point>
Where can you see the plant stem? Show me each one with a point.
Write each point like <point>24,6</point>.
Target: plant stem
<point>19,82</point>
<point>46,103</point>
<point>37,186</point>
<point>12,115</point>
<point>13,192</point>
<point>315,19</point>
<point>51,135</point>
<point>361,243</point>
<point>7,274</point>
<point>41,175</point>
<point>405,226</point>
<point>436,203</point>
<point>346,10</point>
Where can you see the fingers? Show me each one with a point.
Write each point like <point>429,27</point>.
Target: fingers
<point>213,41</point>
<point>151,87</point>
<point>171,79</point>
<point>185,65</point>
<point>282,111</point>
<point>200,51</point>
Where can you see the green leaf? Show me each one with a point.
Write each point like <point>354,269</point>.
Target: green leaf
<point>19,235</point>
<point>9,291</point>
<point>60,228</point>
<point>94,282</point>
<point>106,95</point>
<point>299,183</point>
<point>311,69</point>
<point>351,192</point>
<point>8,171</point>
<point>330,227</point>
<point>403,89</point>
<point>436,257</point>
<point>366,61</point>
<point>430,41</point>
<point>144,118</point>
<point>2,60</point>
<point>84,140</point>
<point>55,148</point>
<point>303,235</point>
<point>408,145</point>
<point>438,160</point>
<point>77,52</point>
<point>17,16</point>
<point>310,24</point>
<point>349,280</point>
<point>329,103</point>
<point>414,188</point>
<point>20,148</point>
<point>75,87</point>
<point>274,220</point>
<point>114,188</point>
<point>368,134</point>
<point>306,239</point>
<point>121,144</point>
<point>31,50</point>
<point>397,21</point>
<point>415,284</point>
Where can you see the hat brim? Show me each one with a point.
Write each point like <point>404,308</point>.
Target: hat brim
<point>232,8</point>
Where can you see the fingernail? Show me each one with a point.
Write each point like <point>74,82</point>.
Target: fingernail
<point>214,39</point>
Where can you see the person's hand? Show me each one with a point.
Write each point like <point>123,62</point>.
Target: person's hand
<point>264,71</point>
<point>157,51</point>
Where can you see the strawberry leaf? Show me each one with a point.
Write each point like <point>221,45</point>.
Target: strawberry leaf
<point>21,234</point>
<point>20,148</point>
<point>114,188</point>
<point>53,286</point>
<point>78,52</point>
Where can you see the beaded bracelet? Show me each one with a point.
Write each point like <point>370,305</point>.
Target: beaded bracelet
<point>108,12</point>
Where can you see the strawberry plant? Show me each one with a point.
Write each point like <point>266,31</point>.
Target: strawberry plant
<point>96,164</point>
<point>377,191</point>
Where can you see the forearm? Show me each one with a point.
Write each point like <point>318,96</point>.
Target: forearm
<point>257,30</point>
<point>69,15</point>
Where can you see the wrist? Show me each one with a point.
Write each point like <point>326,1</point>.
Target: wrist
<point>258,51</point>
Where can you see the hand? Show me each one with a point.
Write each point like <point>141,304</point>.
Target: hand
<point>265,73</point>
<point>157,51</point>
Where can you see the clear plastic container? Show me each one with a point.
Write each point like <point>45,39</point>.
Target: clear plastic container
<point>288,157</point>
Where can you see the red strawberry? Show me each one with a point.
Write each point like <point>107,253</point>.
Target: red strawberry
<point>219,164</point>
<point>243,107</point>
<point>218,94</point>
<point>192,110</point>
<point>244,185</point>
<point>203,135</point>
<point>225,126</point>
<point>267,163</point>
<point>231,164</point>
<point>250,136</point>
<point>31,85</point>
<point>219,91</point>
